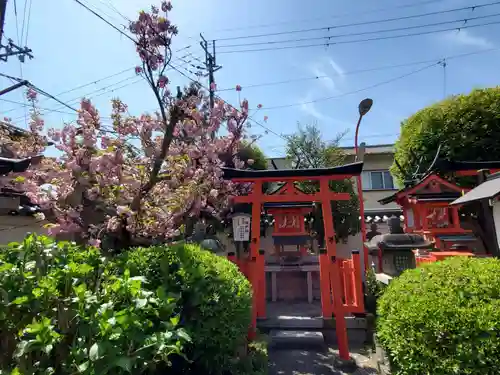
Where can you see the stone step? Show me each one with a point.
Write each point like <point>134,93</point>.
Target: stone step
<point>287,340</point>
<point>305,323</point>
<point>292,322</point>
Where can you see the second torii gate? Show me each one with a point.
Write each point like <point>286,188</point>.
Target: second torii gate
<point>340,279</point>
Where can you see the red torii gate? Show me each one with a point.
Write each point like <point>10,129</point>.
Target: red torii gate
<point>340,279</point>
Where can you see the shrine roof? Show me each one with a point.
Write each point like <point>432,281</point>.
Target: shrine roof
<point>353,169</point>
<point>413,191</point>
<point>458,166</point>
<point>487,190</point>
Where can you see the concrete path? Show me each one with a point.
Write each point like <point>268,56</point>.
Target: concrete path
<point>307,362</point>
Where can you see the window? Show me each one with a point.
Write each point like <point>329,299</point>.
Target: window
<point>377,180</point>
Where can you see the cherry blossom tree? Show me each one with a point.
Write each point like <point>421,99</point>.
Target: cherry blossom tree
<point>142,177</point>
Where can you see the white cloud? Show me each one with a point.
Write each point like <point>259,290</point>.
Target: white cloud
<point>310,108</point>
<point>465,38</point>
<point>321,69</point>
<point>336,67</point>
<point>325,79</point>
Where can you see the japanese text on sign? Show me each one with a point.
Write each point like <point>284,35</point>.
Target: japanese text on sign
<point>241,228</point>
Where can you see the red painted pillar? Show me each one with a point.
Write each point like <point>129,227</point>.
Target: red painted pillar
<point>324,280</point>
<point>256,267</point>
<point>336,285</point>
<point>261,267</point>
<point>231,256</point>
<point>456,218</point>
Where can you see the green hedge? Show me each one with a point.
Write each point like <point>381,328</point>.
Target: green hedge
<point>214,299</point>
<point>63,312</point>
<point>68,310</point>
<point>443,318</point>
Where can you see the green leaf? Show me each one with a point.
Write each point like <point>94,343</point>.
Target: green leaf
<point>96,352</point>
<point>141,302</point>
<point>5,267</point>
<point>183,335</point>
<point>24,347</point>
<point>125,363</point>
<point>83,366</point>
<point>175,320</point>
<point>20,300</point>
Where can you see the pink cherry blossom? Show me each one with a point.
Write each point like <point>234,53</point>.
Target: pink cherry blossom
<point>140,174</point>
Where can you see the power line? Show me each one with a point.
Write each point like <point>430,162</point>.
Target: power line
<point>105,20</point>
<point>356,91</point>
<point>358,71</point>
<point>327,44</point>
<point>342,15</point>
<point>328,28</point>
<point>83,85</point>
<point>113,8</point>
<point>28,23</point>
<point>329,37</point>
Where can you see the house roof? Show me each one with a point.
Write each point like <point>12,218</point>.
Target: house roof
<point>372,149</point>
<point>487,190</point>
<point>8,165</point>
<point>13,130</point>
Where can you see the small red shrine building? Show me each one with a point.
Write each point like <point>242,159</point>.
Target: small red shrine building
<point>427,212</point>
<point>340,279</point>
<point>426,205</point>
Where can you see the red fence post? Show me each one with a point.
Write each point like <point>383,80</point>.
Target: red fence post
<point>324,279</point>
<point>261,302</point>
<point>358,281</point>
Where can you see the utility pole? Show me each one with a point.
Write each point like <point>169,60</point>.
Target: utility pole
<point>212,67</point>
<point>3,8</point>
<point>10,49</point>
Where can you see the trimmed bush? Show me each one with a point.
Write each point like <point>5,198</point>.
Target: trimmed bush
<point>63,312</point>
<point>443,318</point>
<point>214,299</point>
<point>466,126</point>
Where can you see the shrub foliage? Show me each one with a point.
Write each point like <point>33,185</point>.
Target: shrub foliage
<point>466,126</point>
<point>443,318</point>
<point>214,298</point>
<point>63,312</point>
<point>167,309</point>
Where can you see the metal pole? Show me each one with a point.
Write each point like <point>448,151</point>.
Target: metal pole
<point>3,8</point>
<point>360,197</point>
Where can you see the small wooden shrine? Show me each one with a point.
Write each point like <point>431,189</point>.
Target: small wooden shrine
<point>340,279</point>
<point>289,220</point>
<point>426,204</point>
<point>427,211</point>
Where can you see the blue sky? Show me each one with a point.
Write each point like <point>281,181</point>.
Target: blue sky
<point>72,47</point>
